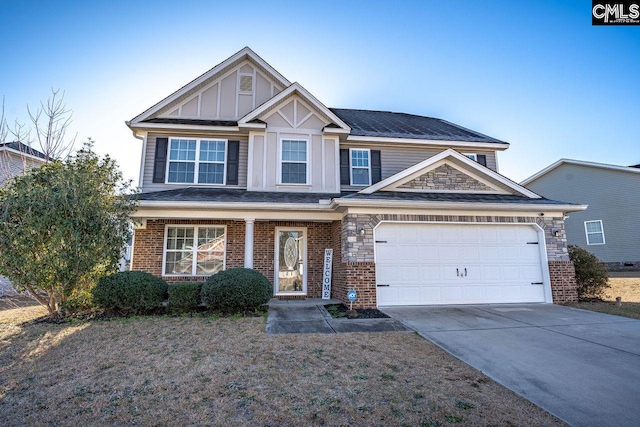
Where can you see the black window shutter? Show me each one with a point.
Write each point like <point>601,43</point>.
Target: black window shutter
<point>233,155</point>
<point>376,166</point>
<point>160,160</point>
<point>344,167</point>
<point>482,159</point>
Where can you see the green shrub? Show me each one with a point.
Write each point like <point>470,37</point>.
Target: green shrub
<point>131,291</point>
<point>591,276</point>
<point>236,290</point>
<point>184,296</point>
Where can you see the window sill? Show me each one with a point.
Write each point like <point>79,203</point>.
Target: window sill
<point>293,186</point>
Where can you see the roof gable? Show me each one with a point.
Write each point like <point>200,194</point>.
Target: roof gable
<point>632,169</point>
<point>285,114</point>
<point>450,172</point>
<point>227,91</point>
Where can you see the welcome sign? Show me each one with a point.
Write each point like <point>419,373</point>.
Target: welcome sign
<point>326,273</point>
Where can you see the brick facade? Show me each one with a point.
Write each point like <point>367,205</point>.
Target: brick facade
<point>446,177</point>
<point>353,253</point>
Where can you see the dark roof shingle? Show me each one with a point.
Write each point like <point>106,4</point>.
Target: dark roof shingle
<point>219,195</point>
<point>402,125</point>
<point>23,148</point>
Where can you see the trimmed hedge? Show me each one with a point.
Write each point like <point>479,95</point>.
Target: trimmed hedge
<point>236,290</point>
<point>132,291</point>
<point>591,276</point>
<point>184,296</point>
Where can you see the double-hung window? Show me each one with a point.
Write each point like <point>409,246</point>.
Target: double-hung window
<point>194,251</point>
<point>294,162</point>
<point>595,232</point>
<point>196,161</point>
<point>360,167</point>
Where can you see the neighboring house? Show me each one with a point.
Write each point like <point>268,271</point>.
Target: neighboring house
<point>609,227</point>
<point>243,168</point>
<point>15,158</point>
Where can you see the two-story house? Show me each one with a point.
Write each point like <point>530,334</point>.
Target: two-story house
<point>243,168</point>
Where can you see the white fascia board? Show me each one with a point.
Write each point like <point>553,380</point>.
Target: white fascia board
<point>295,87</point>
<point>260,126</point>
<point>221,66</point>
<point>499,146</point>
<point>579,163</point>
<point>450,152</point>
<point>156,204</point>
<point>478,206</point>
<point>258,215</point>
<point>23,154</point>
<point>192,128</point>
<point>328,130</point>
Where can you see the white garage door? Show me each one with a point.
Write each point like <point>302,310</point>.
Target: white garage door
<point>419,264</point>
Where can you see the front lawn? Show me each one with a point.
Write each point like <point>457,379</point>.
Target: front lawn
<point>227,371</point>
<point>624,285</point>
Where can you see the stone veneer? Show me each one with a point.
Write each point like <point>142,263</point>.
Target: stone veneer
<point>448,178</point>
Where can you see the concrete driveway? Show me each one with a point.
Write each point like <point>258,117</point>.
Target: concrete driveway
<point>581,366</point>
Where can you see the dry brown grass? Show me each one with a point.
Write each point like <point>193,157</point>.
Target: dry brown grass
<point>206,371</point>
<point>626,286</point>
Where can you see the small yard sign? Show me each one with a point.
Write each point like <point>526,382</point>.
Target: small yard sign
<point>326,274</point>
<point>351,295</point>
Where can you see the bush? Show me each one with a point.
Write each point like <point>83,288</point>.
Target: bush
<point>132,291</point>
<point>184,296</point>
<point>591,276</point>
<point>236,290</point>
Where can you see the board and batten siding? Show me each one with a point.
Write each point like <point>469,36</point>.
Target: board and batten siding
<point>612,197</point>
<point>395,159</point>
<point>265,170</point>
<point>147,178</point>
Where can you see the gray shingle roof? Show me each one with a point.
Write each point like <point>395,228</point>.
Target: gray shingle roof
<point>23,148</point>
<point>453,197</point>
<point>401,125</point>
<point>196,194</point>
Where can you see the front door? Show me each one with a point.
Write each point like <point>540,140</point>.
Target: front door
<point>290,261</point>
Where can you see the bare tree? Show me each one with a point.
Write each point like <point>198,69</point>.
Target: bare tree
<point>50,123</point>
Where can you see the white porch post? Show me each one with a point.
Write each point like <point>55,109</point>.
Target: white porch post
<point>248,243</point>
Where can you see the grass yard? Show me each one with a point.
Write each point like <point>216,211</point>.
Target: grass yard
<point>211,371</point>
<point>623,285</point>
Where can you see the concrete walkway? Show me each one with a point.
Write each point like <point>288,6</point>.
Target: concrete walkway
<point>310,317</point>
<point>581,366</point>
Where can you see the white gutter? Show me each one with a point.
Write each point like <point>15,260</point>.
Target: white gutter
<point>175,126</point>
<point>455,205</point>
<point>380,139</point>
<point>157,204</point>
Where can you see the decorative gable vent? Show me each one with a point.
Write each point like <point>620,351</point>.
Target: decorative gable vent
<point>246,83</point>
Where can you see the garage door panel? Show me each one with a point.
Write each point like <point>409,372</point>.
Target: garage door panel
<point>425,264</point>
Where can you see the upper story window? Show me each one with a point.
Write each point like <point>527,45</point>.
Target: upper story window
<point>472,156</point>
<point>294,161</point>
<point>360,167</point>
<point>198,161</point>
<point>595,232</point>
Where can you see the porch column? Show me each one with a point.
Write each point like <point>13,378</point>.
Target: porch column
<point>248,243</point>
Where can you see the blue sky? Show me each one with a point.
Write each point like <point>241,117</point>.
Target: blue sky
<point>533,73</point>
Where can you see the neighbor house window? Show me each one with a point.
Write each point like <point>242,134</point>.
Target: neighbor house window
<point>360,167</point>
<point>196,161</point>
<point>595,232</point>
<point>294,161</point>
<point>194,251</point>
